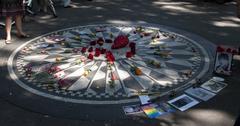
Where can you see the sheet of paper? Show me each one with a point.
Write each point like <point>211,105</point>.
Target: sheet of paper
<point>144,99</point>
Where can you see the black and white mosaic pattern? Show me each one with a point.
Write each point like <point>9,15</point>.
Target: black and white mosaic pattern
<point>56,65</point>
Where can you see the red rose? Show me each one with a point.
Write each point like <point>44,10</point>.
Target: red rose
<point>120,42</point>
<point>61,82</point>
<point>220,49</point>
<point>110,57</point>
<point>84,49</point>
<point>90,49</point>
<point>129,54</point>
<point>103,50</point>
<point>229,50</point>
<point>97,53</point>
<point>90,56</point>
<point>97,49</point>
<point>132,44</point>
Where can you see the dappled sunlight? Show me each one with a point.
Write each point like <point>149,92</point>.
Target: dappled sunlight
<point>45,17</point>
<point>237,57</point>
<point>181,9</point>
<point>231,18</point>
<point>209,116</point>
<point>82,7</point>
<point>124,22</point>
<point>126,9</point>
<point>170,3</point>
<point>99,8</point>
<point>225,24</point>
<point>119,22</point>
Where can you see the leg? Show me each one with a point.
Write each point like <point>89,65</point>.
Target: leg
<point>66,3</point>
<point>19,25</point>
<point>44,5</point>
<point>20,32</point>
<point>8,27</point>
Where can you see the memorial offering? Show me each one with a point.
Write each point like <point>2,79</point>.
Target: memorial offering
<point>183,102</point>
<point>200,93</point>
<point>223,60</point>
<point>214,86</point>
<point>151,111</point>
<point>132,109</point>
<point>108,64</point>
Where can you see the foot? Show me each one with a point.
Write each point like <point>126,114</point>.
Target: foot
<point>23,35</point>
<point>69,6</point>
<point>8,41</point>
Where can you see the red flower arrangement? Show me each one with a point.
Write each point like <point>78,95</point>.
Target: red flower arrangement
<point>90,49</point>
<point>132,45</point>
<point>97,52</point>
<point>90,56</point>
<point>120,42</point>
<point>103,51</point>
<point>129,54</point>
<point>220,49</point>
<point>84,49</point>
<point>110,57</point>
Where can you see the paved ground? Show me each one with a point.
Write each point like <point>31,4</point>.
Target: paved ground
<point>216,23</point>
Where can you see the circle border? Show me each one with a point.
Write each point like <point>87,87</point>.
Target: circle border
<point>14,77</point>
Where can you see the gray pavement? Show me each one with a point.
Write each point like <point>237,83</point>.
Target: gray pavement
<point>216,23</point>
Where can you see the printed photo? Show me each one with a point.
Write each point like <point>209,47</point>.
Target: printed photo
<point>223,63</point>
<point>183,102</point>
<point>132,109</point>
<point>214,86</point>
<point>200,93</point>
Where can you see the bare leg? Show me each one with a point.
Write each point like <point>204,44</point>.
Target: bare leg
<point>19,25</point>
<point>8,27</point>
<point>66,3</point>
<point>45,5</point>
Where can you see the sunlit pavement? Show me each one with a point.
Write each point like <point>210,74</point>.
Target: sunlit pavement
<point>217,23</point>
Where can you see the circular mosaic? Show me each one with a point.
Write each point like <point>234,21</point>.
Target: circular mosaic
<point>107,64</point>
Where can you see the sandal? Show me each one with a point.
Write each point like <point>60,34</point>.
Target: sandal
<point>8,41</point>
<point>23,36</point>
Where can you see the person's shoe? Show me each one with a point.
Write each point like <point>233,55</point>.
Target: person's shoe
<point>69,6</point>
<point>23,36</point>
<point>8,41</point>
